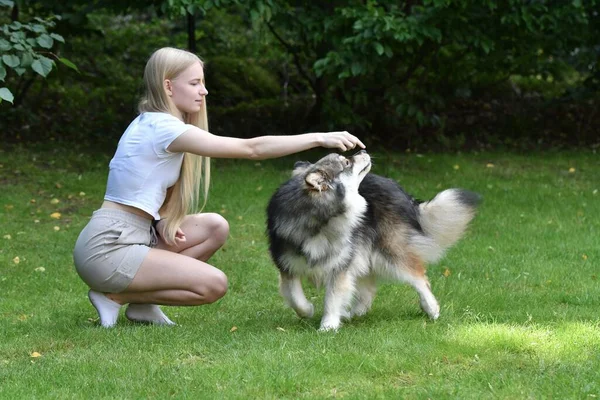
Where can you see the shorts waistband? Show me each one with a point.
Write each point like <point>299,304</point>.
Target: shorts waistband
<point>130,218</point>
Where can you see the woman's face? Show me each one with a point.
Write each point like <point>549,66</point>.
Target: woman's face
<point>187,90</point>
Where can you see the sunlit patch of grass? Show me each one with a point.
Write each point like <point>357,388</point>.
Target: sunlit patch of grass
<point>567,342</point>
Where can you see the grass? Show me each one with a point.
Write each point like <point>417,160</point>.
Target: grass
<point>519,294</point>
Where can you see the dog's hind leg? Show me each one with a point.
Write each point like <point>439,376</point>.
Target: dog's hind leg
<point>365,292</point>
<point>421,284</point>
<point>428,302</point>
<point>338,296</point>
<point>413,273</point>
<point>290,287</point>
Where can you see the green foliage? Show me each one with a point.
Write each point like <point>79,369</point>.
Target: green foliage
<point>27,46</point>
<point>383,64</point>
<point>194,7</point>
<point>435,73</point>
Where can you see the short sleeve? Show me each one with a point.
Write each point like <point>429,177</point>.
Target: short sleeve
<point>167,128</point>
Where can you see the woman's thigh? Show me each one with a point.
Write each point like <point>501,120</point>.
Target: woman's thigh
<point>165,270</point>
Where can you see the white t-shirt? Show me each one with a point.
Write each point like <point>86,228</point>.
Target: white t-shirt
<point>142,168</point>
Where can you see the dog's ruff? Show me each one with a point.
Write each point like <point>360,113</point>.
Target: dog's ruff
<point>345,228</point>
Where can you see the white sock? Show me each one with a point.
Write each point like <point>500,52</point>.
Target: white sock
<point>108,310</point>
<point>147,313</point>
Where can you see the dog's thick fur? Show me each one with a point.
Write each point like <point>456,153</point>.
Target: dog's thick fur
<point>345,228</point>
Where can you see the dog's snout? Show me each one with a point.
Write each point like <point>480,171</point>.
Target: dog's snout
<point>360,152</point>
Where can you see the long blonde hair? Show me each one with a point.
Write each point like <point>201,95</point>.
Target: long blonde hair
<point>183,197</point>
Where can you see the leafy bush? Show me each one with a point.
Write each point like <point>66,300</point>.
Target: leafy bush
<point>27,46</point>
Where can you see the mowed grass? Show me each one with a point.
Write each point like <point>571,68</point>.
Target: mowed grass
<point>519,295</point>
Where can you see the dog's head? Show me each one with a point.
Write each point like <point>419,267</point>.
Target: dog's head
<point>333,169</point>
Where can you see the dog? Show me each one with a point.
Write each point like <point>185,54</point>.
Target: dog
<point>345,228</point>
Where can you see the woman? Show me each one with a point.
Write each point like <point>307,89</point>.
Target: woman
<point>140,248</point>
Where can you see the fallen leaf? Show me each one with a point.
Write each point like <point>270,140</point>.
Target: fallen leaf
<point>233,329</point>
<point>82,194</point>
<point>16,260</point>
<point>490,165</point>
<point>54,201</point>
<point>8,237</point>
<point>280,329</point>
<point>22,317</point>
<point>32,201</point>
<point>584,256</point>
<point>571,170</point>
<point>456,167</point>
<point>35,354</point>
<point>40,269</point>
<point>446,272</point>
<point>57,228</point>
<point>58,185</point>
<point>55,215</point>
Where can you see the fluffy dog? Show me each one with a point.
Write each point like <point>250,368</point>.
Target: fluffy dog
<point>345,228</point>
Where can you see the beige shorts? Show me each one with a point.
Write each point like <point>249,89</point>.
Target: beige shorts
<point>111,248</point>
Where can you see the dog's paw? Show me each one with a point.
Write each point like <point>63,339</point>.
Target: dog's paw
<point>347,315</point>
<point>307,311</point>
<point>328,325</point>
<point>359,310</point>
<point>431,308</point>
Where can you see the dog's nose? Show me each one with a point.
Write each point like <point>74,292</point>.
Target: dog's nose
<point>360,152</point>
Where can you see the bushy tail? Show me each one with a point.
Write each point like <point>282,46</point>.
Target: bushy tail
<point>444,220</point>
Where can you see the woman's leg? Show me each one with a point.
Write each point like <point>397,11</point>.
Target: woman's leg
<point>173,279</point>
<point>205,234</point>
<point>172,275</point>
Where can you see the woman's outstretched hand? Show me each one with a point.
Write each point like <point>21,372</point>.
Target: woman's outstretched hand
<point>340,140</point>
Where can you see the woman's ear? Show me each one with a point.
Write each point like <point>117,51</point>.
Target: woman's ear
<point>168,87</point>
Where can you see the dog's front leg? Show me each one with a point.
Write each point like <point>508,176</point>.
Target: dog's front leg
<point>366,288</point>
<point>338,295</point>
<point>290,287</point>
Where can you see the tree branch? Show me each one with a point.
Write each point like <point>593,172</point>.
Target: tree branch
<point>294,54</point>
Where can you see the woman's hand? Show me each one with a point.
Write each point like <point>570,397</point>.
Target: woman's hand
<point>179,235</point>
<point>341,140</point>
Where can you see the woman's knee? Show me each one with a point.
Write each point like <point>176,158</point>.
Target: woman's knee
<point>217,226</point>
<point>215,287</point>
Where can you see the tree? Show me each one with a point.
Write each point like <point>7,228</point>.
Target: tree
<point>380,63</point>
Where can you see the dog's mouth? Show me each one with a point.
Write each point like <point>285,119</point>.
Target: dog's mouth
<point>360,158</point>
<point>366,169</point>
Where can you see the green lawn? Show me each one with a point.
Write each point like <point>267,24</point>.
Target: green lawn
<point>519,295</point>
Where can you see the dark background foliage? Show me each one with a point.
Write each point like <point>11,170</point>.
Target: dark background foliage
<point>431,74</point>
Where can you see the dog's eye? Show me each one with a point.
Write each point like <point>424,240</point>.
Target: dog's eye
<point>347,163</point>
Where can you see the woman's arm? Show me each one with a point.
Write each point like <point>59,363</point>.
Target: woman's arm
<point>203,143</point>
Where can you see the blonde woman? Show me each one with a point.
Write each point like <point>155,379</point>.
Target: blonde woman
<point>140,248</point>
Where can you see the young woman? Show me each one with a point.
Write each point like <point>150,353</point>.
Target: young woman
<point>140,248</point>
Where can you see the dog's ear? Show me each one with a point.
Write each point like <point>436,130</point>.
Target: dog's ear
<point>300,167</point>
<point>317,181</point>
